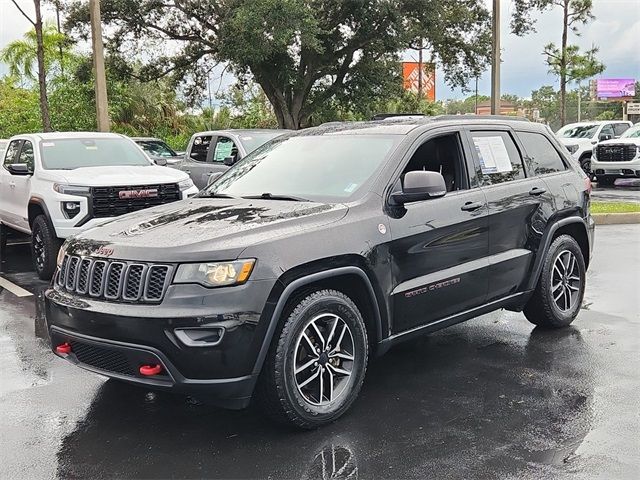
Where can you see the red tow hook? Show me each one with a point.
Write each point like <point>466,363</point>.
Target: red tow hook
<point>63,348</point>
<point>150,370</point>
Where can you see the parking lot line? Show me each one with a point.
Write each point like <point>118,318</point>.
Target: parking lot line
<point>13,288</point>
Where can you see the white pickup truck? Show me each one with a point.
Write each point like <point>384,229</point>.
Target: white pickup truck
<point>54,185</point>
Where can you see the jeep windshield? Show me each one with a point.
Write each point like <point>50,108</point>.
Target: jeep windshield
<point>578,131</point>
<point>72,153</point>
<point>321,168</point>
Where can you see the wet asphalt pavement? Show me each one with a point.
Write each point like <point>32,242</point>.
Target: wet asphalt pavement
<point>490,398</point>
<point>625,190</point>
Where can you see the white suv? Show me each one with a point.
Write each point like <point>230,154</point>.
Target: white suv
<point>579,138</point>
<point>53,185</point>
<point>617,158</point>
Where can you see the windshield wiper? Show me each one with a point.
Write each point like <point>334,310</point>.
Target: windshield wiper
<point>271,196</point>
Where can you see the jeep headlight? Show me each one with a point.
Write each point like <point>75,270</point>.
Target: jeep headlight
<point>185,184</point>
<point>61,253</point>
<point>572,149</point>
<point>215,274</point>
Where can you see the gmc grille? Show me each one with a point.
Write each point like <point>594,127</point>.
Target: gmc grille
<point>113,280</point>
<point>616,153</point>
<point>107,201</point>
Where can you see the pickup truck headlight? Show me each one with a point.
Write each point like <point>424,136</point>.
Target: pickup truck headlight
<point>215,274</point>
<point>71,189</point>
<point>572,149</point>
<point>185,184</point>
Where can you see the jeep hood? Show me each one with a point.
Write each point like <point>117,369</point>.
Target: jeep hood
<point>120,176</point>
<point>203,228</point>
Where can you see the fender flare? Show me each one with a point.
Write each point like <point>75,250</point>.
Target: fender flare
<point>546,243</point>
<point>301,282</point>
<point>33,200</point>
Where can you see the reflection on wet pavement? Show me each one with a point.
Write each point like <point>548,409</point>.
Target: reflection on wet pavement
<point>492,398</point>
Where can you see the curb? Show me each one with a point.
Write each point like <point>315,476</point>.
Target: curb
<point>616,218</point>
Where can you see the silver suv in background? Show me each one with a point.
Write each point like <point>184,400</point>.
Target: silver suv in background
<point>214,151</point>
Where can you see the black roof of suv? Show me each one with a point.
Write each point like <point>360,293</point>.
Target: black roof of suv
<point>321,248</point>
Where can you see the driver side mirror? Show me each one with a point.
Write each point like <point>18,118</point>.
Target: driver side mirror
<point>19,169</point>
<point>420,185</point>
<point>229,161</point>
<point>162,162</point>
<point>605,136</point>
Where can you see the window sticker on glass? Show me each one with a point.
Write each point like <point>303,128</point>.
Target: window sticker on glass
<point>48,144</point>
<point>351,187</point>
<point>493,154</point>
<point>223,150</point>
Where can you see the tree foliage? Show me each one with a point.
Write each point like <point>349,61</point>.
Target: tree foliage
<point>304,54</point>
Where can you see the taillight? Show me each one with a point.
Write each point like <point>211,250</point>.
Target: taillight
<point>587,185</point>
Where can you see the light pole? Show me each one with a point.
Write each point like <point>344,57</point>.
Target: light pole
<point>495,60</point>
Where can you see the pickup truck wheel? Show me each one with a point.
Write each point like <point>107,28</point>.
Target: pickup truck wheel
<point>557,298</point>
<point>317,361</point>
<point>44,248</point>
<point>585,163</point>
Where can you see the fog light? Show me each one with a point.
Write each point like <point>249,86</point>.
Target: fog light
<point>70,209</point>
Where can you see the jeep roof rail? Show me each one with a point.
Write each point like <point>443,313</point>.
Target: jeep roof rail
<point>471,116</point>
<point>382,116</point>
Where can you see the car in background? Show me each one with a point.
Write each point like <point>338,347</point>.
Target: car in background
<point>579,138</point>
<point>55,185</point>
<point>213,152</point>
<point>159,151</point>
<point>617,158</point>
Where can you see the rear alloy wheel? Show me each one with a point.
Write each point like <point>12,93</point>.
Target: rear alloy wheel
<point>316,365</point>
<point>44,248</point>
<point>557,298</point>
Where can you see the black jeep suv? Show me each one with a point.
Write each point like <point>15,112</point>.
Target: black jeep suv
<point>322,248</point>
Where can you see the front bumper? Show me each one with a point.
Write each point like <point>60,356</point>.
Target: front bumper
<point>116,339</point>
<point>618,169</point>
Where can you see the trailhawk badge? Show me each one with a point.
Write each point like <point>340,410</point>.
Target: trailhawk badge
<point>146,193</point>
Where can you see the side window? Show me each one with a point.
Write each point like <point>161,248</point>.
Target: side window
<point>620,128</point>
<point>541,157</point>
<point>12,152</point>
<point>499,157</point>
<point>200,148</point>
<point>224,148</point>
<point>606,130</point>
<point>26,155</point>
<point>442,154</point>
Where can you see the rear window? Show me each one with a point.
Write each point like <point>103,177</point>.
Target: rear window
<point>72,153</point>
<point>541,157</point>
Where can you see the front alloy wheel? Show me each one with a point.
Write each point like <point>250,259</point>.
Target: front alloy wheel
<point>324,359</point>
<point>317,360</point>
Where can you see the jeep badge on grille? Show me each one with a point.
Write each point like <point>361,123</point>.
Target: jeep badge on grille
<point>147,193</point>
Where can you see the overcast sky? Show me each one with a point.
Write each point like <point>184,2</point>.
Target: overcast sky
<point>616,30</point>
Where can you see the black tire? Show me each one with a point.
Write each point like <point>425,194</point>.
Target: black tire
<point>585,163</point>
<point>278,391</point>
<point>604,181</point>
<point>556,305</point>
<point>44,247</point>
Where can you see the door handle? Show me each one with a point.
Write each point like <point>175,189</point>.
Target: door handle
<point>471,206</point>
<point>537,191</point>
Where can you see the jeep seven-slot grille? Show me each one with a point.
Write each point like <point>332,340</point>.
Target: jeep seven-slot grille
<point>616,153</point>
<point>114,201</point>
<point>113,280</point>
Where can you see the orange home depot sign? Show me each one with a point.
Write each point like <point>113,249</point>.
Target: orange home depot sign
<point>411,73</point>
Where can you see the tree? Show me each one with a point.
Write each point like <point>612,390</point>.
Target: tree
<point>566,62</point>
<point>304,54</point>
<point>40,57</point>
